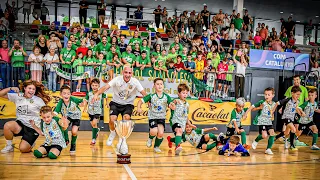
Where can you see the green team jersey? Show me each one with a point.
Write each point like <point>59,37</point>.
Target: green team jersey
<point>163,59</point>
<point>53,133</point>
<point>180,114</point>
<point>67,56</point>
<point>129,57</point>
<point>159,105</point>
<point>308,108</point>
<point>215,62</point>
<point>134,41</point>
<point>93,49</point>
<point>71,110</point>
<point>230,70</point>
<point>156,54</point>
<point>101,48</point>
<point>77,64</point>
<point>303,95</point>
<point>145,48</point>
<point>89,60</point>
<point>76,35</point>
<point>143,61</point>
<point>194,55</point>
<point>97,106</point>
<point>174,44</point>
<point>173,57</point>
<point>17,58</point>
<point>264,116</point>
<point>110,55</point>
<point>235,116</point>
<point>75,46</point>
<point>194,137</point>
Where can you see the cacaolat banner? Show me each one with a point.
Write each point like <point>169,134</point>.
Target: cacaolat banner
<point>200,112</point>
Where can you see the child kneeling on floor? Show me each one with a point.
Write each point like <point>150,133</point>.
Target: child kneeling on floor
<point>53,132</point>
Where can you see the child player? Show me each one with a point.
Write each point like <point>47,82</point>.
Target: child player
<point>68,107</point>
<point>159,102</point>
<point>95,110</point>
<point>234,126</point>
<point>309,108</point>
<point>179,117</point>
<point>264,119</point>
<point>290,108</point>
<point>198,139</point>
<point>53,132</point>
<point>233,147</point>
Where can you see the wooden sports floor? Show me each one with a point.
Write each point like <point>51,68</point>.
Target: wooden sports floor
<point>99,162</point>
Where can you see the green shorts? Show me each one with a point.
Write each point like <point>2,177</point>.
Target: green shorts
<point>208,88</point>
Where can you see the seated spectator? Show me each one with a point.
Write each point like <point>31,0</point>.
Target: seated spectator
<point>143,61</point>
<point>171,69</point>
<point>284,38</point>
<point>277,45</point>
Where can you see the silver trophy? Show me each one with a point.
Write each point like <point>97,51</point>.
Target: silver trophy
<point>124,129</point>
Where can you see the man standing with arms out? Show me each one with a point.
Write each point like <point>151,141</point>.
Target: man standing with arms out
<point>5,66</point>
<point>125,90</point>
<point>205,16</point>
<point>83,11</point>
<point>157,16</point>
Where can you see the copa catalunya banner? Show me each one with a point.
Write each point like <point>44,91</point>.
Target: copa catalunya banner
<point>275,60</point>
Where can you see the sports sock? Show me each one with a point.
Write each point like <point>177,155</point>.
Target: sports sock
<point>211,146</point>
<point>158,142</point>
<point>258,138</point>
<point>212,136</point>
<point>37,154</point>
<point>151,137</point>
<point>66,136</point>
<point>52,156</point>
<point>243,138</point>
<point>292,139</point>
<point>173,139</point>
<point>74,139</point>
<point>177,140</point>
<point>314,138</point>
<point>94,133</point>
<point>270,142</point>
<point>9,142</point>
<point>279,135</point>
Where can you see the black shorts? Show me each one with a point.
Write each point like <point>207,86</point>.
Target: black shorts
<point>74,122</point>
<point>96,116</point>
<point>28,134</point>
<point>265,128</point>
<point>202,141</point>
<point>48,148</point>
<point>296,118</point>
<point>228,83</point>
<point>116,109</point>
<point>288,121</point>
<point>154,122</point>
<point>220,81</point>
<point>174,126</point>
<point>305,126</point>
<point>232,131</point>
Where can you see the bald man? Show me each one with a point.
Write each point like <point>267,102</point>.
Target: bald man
<point>125,90</point>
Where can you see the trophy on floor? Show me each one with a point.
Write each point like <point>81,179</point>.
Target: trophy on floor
<point>124,129</point>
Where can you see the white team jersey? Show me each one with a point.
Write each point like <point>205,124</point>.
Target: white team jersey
<point>27,109</point>
<point>123,92</point>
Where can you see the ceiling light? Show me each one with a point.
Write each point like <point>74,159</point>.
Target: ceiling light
<point>291,14</point>
<point>297,21</point>
<point>244,8</point>
<point>163,0</point>
<point>128,4</point>
<point>317,16</point>
<point>204,4</point>
<point>281,12</point>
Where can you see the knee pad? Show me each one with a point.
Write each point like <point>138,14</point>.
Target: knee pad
<point>52,156</point>
<point>37,154</point>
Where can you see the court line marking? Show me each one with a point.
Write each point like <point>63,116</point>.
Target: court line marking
<point>126,167</point>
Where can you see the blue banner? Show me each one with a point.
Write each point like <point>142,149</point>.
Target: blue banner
<point>275,60</point>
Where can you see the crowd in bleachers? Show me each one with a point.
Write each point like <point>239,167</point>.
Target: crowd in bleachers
<point>211,50</point>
